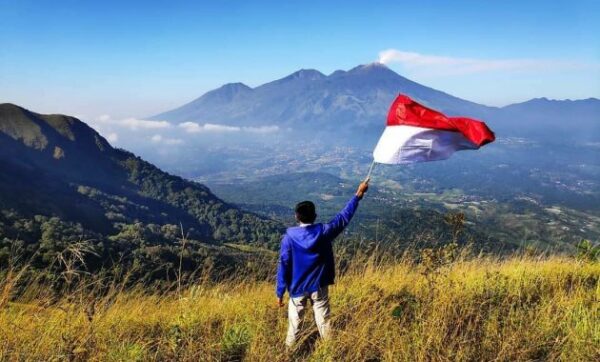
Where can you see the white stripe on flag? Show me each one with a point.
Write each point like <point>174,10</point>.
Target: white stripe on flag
<point>408,144</point>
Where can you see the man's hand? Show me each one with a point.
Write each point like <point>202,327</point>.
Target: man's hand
<point>362,188</point>
<point>280,302</point>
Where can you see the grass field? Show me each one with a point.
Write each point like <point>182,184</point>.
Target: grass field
<point>473,309</point>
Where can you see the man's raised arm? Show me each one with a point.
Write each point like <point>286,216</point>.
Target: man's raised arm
<point>341,220</point>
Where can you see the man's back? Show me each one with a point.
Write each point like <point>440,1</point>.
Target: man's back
<point>312,261</point>
<point>306,261</point>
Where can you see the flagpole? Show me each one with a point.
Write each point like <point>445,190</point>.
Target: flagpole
<point>370,170</point>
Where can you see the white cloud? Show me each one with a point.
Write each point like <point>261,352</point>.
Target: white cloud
<point>190,127</point>
<point>173,141</point>
<point>112,137</point>
<point>443,65</point>
<point>132,123</point>
<point>165,140</point>
<point>211,127</point>
<point>104,118</point>
<point>193,127</point>
<point>262,129</point>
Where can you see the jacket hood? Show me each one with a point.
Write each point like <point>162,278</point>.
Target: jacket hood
<point>305,236</point>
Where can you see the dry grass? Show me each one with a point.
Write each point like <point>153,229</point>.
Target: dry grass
<point>514,309</point>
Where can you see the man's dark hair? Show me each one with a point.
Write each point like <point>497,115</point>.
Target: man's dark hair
<point>305,212</point>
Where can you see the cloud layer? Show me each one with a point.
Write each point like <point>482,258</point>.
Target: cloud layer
<point>444,65</point>
<point>193,127</point>
<point>132,131</point>
<point>133,123</point>
<point>157,138</point>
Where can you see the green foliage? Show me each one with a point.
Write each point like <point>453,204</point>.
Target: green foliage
<point>586,250</point>
<point>457,222</point>
<point>147,253</point>
<point>383,215</point>
<point>434,258</point>
<point>235,341</point>
<point>128,352</point>
<point>98,209</point>
<point>127,208</point>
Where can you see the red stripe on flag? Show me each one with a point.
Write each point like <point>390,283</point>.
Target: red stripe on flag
<point>405,111</point>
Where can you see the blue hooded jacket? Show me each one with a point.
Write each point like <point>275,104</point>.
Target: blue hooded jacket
<point>306,259</point>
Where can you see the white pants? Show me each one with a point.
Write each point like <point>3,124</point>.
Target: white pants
<point>296,309</point>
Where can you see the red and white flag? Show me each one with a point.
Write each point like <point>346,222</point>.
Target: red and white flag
<point>415,133</point>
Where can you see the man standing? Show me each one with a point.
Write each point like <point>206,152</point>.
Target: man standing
<point>306,267</point>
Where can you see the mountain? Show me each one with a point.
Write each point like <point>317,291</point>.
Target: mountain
<point>553,120</point>
<point>354,103</point>
<point>544,107</point>
<point>536,184</point>
<point>57,166</point>
<point>308,100</point>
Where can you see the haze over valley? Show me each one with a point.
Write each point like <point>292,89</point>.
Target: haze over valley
<point>537,184</point>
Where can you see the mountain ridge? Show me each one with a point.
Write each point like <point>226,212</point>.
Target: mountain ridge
<point>359,98</point>
<point>68,170</point>
<point>307,97</point>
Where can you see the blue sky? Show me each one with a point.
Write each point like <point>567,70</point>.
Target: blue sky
<point>134,59</point>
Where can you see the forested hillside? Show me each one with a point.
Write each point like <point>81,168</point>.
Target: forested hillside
<point>61,183</point>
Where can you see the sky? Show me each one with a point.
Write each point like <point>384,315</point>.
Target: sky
<point>133,59</point>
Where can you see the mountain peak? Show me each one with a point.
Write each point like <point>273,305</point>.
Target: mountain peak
<point>52,137</point>
<point>227,92</point>
<point>238,86</point>
<point>11,106</point>
<point>306,74</point>
<point>375,66</point>
<point>337,73</point>
<point>546,101</point>
<point>360,95</point>
<point>541,100</point>
<point>376,69</point>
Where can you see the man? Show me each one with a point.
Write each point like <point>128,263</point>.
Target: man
<point>306,265</point>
